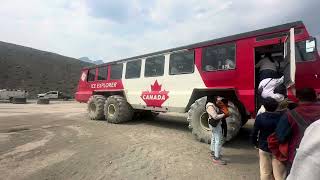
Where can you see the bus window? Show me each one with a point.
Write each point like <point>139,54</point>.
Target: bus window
<point>181,63</point>
<point>302,54</point>
<point>102,73</point>
<point>133,69</point>
<point>116,71</point>
<point>91,75</point>
<point>221,57</point>
<point>154,66</point>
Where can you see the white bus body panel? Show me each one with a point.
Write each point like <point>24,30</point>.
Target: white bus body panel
<point>179,88</point>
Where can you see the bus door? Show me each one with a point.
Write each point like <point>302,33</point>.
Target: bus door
<point>289,57</point>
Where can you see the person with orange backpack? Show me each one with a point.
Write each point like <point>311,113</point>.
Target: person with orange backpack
<point>217,112</point>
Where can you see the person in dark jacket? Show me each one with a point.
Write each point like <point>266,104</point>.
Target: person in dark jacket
<point>267,67</point>
<point>265,124</point>
<point>288,129</point>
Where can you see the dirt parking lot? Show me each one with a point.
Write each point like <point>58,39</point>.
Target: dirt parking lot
<point>58,141</point>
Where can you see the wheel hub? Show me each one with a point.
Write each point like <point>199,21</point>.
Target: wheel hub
<point>111,110</point>
<point>92,107</point>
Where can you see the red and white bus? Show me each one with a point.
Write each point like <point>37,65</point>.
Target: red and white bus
<point>180,79</point>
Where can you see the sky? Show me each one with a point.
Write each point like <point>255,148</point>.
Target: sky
<point>115,29</point>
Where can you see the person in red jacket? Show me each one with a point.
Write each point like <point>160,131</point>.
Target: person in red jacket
<point>288,130</point>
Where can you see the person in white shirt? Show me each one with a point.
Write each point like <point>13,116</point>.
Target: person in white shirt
<point>306,164</point>
<point>267,67</point>
<point>229,64</point>
<point>268,86</point>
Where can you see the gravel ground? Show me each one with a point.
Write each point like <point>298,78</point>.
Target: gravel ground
<point>58,141</point>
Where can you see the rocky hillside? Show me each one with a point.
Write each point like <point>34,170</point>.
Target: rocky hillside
<point>37,71</point>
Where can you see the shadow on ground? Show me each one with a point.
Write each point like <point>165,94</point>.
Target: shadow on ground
<point>242,140</point>
<point>164,121</point>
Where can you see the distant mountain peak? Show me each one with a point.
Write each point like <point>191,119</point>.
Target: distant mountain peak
<point>86,59</point>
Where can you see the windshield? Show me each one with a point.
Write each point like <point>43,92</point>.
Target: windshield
<point>302,54</point>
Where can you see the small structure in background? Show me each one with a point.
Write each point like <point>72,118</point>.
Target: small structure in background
<point>14,96</point>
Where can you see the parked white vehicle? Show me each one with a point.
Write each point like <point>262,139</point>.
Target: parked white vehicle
<point>53,95</point>
<point>13,95</point>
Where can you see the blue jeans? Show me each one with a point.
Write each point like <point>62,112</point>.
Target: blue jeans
<point>216,139</point>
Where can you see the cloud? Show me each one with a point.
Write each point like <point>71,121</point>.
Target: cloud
<point>118,11</point>
<point>112,30</point>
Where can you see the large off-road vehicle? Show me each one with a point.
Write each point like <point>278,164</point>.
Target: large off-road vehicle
<point>180,79</point>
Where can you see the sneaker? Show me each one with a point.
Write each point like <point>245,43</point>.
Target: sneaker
<point>219,161</point>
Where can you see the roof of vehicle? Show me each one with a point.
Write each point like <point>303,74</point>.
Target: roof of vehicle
<point>259,32</point>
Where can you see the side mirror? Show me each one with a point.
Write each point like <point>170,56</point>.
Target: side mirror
<point>311,45</point>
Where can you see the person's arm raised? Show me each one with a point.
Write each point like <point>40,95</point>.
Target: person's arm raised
<point>212,112</point>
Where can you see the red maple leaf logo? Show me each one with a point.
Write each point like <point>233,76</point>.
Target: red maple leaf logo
<point>155,97</point>
<point>156,86</point>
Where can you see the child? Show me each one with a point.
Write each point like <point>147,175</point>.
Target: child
<point>265,124</point>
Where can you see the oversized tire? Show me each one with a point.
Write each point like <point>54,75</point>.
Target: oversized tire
<point>19,100</point>
<point>198,121</point>
<point>243,112</point>
<point>117,109</point>
<point>95,107</point>
<point>43,101</point>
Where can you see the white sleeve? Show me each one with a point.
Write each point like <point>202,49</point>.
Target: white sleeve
<point>263,83</point>
<point>275,82</point>
<point>306,164</point>
<point>277,97</point>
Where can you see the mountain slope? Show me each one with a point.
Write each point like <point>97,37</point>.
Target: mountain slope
<point>37,71</point>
